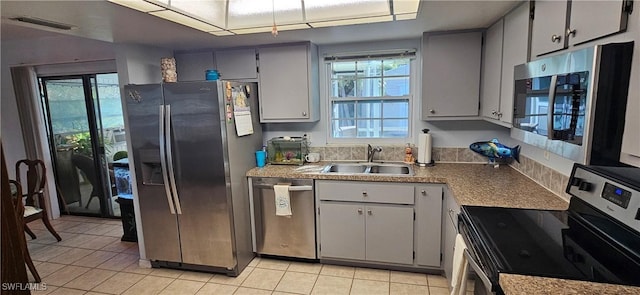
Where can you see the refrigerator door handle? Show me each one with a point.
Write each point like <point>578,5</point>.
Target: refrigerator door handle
<point>172,176</point>
<point>163,161</point>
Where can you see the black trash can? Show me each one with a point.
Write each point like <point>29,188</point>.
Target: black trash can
<point>125,199</point>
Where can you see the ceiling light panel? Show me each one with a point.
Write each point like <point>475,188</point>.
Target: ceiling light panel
<point>222,33</point>
<point>354,21</point>
<point>185,20</point>
<point>138,5</point>
<point>269,28</point>
<point>405,6</point>
<point>328,10</point>
<point>244,14</point>
<point>210,11</point>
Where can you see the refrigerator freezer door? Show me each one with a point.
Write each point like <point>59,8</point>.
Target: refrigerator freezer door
<point>199,169</point>
<point>159,226</point>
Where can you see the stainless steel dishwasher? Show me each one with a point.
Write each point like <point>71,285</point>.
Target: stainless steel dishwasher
<point>291,236</point>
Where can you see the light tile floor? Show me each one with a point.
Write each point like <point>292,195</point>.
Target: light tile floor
<point>91,259</point>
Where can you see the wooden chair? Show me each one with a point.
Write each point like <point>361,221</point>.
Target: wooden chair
<point>36,178</point>
<point>19,207</point>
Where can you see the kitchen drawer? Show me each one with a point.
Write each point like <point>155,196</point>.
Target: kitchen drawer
<point>371,192</point>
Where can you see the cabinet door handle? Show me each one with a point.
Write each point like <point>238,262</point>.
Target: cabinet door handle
<point>364,193</point>
<point>494,112</point>
<point>360,211</point>
<point>556,38</point>
<point>423,192</point>
<point>369,212</point>
<point>571,33</point>
<point>304,114</point>
<point>432,111</point>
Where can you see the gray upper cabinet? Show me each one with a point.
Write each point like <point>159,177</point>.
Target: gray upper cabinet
<point>288,77</point>
<point>587,20</point>
<point>492,71</point>
<point>428,224</point>
<point>192,66</point>
<point>548,29</point>
<point>451,75</point>
<point>237,64</point>
<point>506,45</point>
<point>515,51</point>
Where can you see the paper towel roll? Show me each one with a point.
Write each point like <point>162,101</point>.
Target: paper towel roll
<point>424,148</point>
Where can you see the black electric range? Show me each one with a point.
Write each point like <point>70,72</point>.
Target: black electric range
<point>597,239</point>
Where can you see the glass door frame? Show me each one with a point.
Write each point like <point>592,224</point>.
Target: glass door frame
<point>89,83</point>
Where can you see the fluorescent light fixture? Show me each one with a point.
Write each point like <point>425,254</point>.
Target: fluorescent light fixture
<point>405,6</point>
<point>353,21</point>
<point>42,22</point>
<point>185,20</point>
<point>212,12</point>
<point>268,29</point>
<point>406,16</point>
<point>230,17</point>
<point>253,7</point>
<point>138,5</point>
<point>326,10</point>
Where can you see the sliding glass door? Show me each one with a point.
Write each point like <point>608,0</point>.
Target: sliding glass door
<point>86,131</point>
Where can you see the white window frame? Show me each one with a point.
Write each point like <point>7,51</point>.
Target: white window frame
<point>378,55</point>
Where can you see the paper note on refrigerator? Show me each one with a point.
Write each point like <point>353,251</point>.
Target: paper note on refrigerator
<point>242,112</point>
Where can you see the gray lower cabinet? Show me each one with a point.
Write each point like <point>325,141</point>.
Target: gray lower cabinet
<point>389,233</point>
<point>450,226</point>
<point>381,223</point>
<point>342,230</point>
<point>428,224</point>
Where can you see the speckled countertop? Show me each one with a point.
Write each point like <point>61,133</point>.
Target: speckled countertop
<point>470,184</point>
<point>479,185</point>
<point>519,285</point>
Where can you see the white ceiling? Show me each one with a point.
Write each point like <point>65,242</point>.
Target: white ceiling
<point>105,21</point>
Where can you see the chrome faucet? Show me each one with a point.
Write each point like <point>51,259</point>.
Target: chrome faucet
<point>371,151</point>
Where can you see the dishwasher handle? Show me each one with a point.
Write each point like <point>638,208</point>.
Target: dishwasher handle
<point>293,188</point>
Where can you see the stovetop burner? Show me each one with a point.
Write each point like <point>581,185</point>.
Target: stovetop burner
<point>582,243</point>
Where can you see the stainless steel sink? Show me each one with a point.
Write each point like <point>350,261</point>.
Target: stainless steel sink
<point>345,168</point>
<point>389,169</point>
<point>369,168</point>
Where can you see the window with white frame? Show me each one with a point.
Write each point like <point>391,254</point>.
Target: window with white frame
<point>370,96</point>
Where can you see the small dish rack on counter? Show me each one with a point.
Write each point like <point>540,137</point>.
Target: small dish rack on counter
<point>287,150</point>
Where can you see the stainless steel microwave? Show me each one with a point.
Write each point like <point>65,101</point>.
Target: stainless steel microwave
<point>573,104</point>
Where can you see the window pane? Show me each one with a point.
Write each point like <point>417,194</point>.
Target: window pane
<point>369,68</point>
<point>396,67</point>
<point>343,128</point>
<point>395,128</point>
<point>344,110</point>
<point>396,109</point>
<point>369,128</point>
<point>343,88</point>
<point>369,109</point>
<point>396,86</point>
<point>341,69</point>
<point>369,87</point>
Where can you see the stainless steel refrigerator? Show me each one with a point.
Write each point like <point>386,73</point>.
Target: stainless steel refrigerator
<point>190,166</point>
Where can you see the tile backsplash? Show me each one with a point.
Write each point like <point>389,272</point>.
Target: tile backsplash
<point>543,175</point>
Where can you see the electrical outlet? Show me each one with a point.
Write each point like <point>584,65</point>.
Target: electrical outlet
<point>308,135</point>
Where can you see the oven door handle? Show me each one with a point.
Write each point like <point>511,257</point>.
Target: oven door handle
<point>483,277</point>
